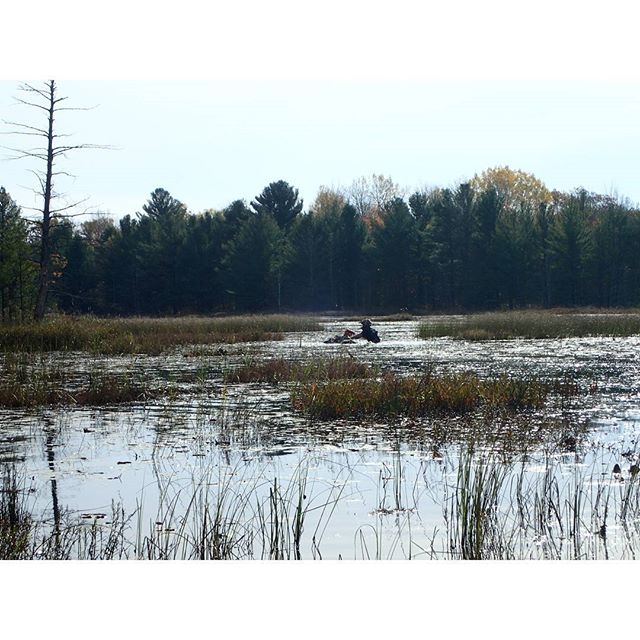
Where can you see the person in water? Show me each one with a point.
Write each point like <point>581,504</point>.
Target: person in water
<point>368,332</point>
<point>348,337</point>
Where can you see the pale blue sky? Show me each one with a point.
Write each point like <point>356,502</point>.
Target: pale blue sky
<point>213,101</point>
<point>209,142</point>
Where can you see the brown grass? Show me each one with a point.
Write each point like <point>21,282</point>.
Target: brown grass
<point>533,324</point>
<point>145,335</point>
<point>415,396</point>
<point>283,370</point>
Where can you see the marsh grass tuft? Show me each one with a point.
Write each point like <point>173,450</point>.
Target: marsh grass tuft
<point>32,380</point>
<point>414,396</point>
<point>16,524</point>
<point>145,335</point>
<point>476,531</point>
<point>532,324</point>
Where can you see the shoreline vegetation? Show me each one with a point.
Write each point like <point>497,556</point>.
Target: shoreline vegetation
<point>112,336</point>
<point>156,335</point>
<point>534,324</point>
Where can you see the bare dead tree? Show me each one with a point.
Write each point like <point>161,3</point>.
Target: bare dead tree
<point>47,100</point>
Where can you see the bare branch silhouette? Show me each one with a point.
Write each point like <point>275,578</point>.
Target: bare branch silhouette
<point>46,99</point>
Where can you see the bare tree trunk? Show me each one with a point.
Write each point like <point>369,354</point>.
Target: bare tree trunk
<point>46,99</point>
<point>45,242</point>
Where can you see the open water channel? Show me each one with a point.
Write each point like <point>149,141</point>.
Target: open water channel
<point>540,485</point>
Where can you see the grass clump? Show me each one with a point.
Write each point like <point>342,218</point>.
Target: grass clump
<point>145,335</point>
<point>16,524</point>
<point>415,396</point>
<point>283,370</point>
<point>100,390</point>
<point>31,380</point>
<point>533,324</point>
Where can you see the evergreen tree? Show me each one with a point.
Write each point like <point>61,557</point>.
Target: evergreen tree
<point>16,272</point>
<point>280,200</point>
<point>570,244</point>
<point>394,243</point>
<point>349,257</point>
<point>162,233</point>
<point>252,264</point>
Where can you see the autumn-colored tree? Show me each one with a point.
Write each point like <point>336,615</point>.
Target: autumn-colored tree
<point>370,195</point>
<point>514,187</point>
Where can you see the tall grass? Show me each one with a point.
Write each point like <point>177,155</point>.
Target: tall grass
<point>215,519</point>
<point>532,324</point>
<point>414,396</point>
<point>145,335</point>
<point>31,380</point>
<point>16,523</point>
<point>502,511</point>
<point>475,530</point>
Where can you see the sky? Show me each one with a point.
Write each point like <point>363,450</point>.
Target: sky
<point>209,142</point>
<point>214,106</point>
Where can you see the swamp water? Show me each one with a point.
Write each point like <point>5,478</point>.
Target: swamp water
<point>223,470</point>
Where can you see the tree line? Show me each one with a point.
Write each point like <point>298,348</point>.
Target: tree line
<point>500,240</point>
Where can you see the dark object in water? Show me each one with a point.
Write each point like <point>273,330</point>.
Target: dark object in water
<point>368,332</point>
<point>348,337</point>
<point>339,340</point>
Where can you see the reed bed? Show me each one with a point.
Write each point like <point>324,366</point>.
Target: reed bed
<point>533,324</point>
<point>423,395</point>
<point>214,519</point>
<point>498,511</point>
<point>145,335</point>
<point>31,380</point>
<point>278,370</point>
<point>16,522</point>
<point>491,510</point>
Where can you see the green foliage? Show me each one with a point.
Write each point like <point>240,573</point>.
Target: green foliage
<point>500,241</point>
<point>279,200</point>
<point>16,272</point>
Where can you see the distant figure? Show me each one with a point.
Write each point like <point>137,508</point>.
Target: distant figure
<point>368,332</point>
<point>348,337</point>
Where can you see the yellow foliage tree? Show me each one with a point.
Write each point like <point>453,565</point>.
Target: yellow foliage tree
<point>516,188</point>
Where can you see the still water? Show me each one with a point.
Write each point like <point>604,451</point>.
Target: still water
<point>283,487</point>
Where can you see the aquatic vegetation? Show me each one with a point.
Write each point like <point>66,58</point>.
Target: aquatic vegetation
<point>277,370</point>
<point>421,395</point>
<point>16,522</point>
<point>214,519</point>
<point>145,335</point>
<point>532,324</point>
<point>475,531</point>
<point>30,380</point>
<point>509,511</point>
<point>419,457</point>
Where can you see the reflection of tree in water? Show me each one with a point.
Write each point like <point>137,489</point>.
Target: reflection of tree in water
<point>51,433</point>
